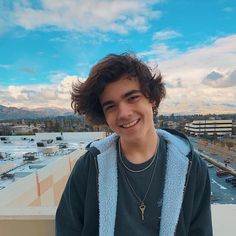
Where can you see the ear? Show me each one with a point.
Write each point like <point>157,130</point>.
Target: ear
<point>154,108</point>
<point>153,104</point>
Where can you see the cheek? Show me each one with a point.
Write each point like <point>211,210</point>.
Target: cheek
<point>149,112</point>
<point>147,108</point>
<point>110,119</point>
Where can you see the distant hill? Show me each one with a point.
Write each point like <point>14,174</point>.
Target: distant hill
<point>8,113</point>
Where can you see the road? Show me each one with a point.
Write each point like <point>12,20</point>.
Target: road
<point>223,193</point>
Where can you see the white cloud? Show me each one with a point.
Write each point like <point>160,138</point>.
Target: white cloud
<point>79,15</point>
<point>220,80</point>
<point>66,83</point>
<point>166,34</point>
<point>41,95</point>
<point>5,21</point>
<point>159,52</point>
<point>198,93</point>
<point>56,77</point>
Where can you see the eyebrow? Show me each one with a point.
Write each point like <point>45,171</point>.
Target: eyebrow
<point>109,102</point>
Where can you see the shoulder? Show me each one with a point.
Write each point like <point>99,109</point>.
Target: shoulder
<point>199,180</point>
<point>82,165</point>
<point>198,164</point>
<point>176,140</point>
<point>198,169</point>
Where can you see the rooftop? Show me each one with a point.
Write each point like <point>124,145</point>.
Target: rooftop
<point>20,156</point>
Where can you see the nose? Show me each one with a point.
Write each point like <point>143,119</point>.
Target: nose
<point>124,111</point>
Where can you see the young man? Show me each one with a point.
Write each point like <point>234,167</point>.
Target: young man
<point>138,181</point>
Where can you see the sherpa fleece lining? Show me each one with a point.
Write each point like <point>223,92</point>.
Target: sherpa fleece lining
<point>176,171</point>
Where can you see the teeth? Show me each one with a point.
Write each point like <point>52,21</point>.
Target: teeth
<point>130,124</point>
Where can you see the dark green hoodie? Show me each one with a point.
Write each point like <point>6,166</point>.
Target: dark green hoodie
<point>89,203</point>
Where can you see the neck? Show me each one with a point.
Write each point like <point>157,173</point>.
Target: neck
<point>141,150</point>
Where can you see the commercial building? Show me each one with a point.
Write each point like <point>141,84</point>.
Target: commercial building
<point>210,127</point>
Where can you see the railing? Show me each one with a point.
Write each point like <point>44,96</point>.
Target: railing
<point>40,221</point>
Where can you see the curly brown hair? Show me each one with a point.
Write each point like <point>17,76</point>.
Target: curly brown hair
<point>85,95</point>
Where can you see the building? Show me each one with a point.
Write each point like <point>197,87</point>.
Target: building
<point>211,127</point>
<point>22,129</point>
<point>35,177</point>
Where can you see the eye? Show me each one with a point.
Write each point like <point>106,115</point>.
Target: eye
<point>109,107</point>
<point>133,98</point>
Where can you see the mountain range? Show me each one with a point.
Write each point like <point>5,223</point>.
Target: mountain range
<point>10,113</point>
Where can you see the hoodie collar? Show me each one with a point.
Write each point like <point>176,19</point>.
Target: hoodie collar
<point>176,170</point>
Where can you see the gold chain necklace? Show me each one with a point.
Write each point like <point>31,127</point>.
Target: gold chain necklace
<point>136,171</point>
<point>142,205</point>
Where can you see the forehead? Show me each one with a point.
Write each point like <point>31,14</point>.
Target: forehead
<point>119,88</point>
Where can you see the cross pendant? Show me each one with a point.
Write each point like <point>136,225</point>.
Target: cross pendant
<point>142,208</point>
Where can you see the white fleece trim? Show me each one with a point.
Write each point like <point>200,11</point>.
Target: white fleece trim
<point>181,144</point>
<point>176,170</point>
<point>103,144</point>
<point>107,185</point>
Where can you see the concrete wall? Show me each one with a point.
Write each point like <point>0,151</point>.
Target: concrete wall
<point>27,227</point>
<point>39,221</point>
<point>43,187</point>
<point>27,221</point>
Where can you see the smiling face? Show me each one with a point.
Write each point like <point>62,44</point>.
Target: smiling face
<point>127,111</point>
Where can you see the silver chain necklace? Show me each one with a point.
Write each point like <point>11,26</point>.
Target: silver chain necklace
<point>136,171</point>
<point>142,205</point>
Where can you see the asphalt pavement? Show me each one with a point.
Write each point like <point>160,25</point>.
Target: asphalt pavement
<point>222,192</point>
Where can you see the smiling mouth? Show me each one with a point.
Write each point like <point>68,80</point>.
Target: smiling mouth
<point>128,125</point>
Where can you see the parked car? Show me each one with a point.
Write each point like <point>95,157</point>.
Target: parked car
<point>220,173</point>
<point>227,161</point>
<point>230,180</point>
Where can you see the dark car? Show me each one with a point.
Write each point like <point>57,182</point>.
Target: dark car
<point>220,173</point>
<point>227,161</point>
<point>230,180</point>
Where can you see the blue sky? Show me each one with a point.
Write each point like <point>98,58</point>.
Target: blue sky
<point>45,45</point>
